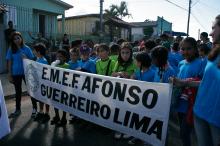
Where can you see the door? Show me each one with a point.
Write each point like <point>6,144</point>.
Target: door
<point>42,24</point>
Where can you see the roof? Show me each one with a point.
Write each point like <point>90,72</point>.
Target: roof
<point>144,24</point>
<point>65,5</point>
<point>108,20</point>
<point>81,16</point>
<point>118,22</point>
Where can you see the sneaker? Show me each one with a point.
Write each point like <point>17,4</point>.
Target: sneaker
<point>133,141</point>
<point>34,113</point>
<point>62,123</point>
<point>55,120</point>
<point>117,135</point>
<point>15,114</point>
<point>46,118</point>
<point>38,116</point>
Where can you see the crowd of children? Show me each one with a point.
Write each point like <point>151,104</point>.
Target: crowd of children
<point>181,61</point>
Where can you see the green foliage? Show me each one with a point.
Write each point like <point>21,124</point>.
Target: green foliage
<point>118,11</point>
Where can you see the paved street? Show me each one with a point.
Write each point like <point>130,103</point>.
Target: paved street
<point>26,132</point>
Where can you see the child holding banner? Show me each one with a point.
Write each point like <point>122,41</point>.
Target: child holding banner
<point>74,59</point>
<point>124,68</point>
<point>144,72</point>
<point>14,56</point>
<point>86,64</point>
<point>60,62</point>
<point>191,67</point>
<point>74,65</point>
<point>105,65</point>
<point>40,52</point>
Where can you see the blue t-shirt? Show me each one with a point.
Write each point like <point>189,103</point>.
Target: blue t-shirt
<point>189,70</point>
<point>207,104</point>
<point>147,75</point>
<point>169,72</point>
<point>74,65</point>
<point>87,66</point>
<point>42,60</point>
<point>16,58</point>
<point>174,58</point>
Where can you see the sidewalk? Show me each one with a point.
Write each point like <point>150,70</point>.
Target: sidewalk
<point>8,88</point>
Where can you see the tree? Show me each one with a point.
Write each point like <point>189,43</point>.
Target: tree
<point>118,11</point>
<point>112,12</point>
<point>123,10</point>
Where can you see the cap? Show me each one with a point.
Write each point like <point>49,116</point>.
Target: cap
<point>84,49</point>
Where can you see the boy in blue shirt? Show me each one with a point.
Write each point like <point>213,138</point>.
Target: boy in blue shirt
<point>40,52</point>
<point>74,59</point>
<point>85,63</point>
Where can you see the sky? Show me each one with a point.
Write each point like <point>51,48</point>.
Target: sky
<point>202,17</point>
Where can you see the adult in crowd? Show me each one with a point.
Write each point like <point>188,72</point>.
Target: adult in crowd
<point>205,40</point>
<point>8,33</point>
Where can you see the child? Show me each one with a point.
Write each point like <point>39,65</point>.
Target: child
<point>60,62</point>
<point>74,65</point>
<point>203,52</point>
<point>191,67</point>
<point>175,57</point>
<point>86,64</point>
<point>104,66</point>
<point>74,56</point>
<point>40,51</point>
<point>15,68</point>
<point>144,73</point>
<point>160,56</point>
<point>94,54</point>
<point>114,50</point>
<point>124,68</point>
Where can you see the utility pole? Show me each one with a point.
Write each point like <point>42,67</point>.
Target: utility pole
<point>189,12</point>
<point>101,18</point>
<point>161,26</point>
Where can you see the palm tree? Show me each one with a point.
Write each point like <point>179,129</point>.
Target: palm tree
<point>123,10</point>
<point>113,11</point>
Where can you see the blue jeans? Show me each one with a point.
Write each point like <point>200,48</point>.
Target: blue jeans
<point>207,134</point>
<point>185,130</point>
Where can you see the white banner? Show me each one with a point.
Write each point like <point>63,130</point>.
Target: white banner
<point>4,123</point>
<point>139,109</point>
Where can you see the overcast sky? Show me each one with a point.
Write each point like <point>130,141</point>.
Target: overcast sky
<point>203,12</point>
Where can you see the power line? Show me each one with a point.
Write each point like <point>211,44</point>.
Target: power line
<point>177,5</point>
<point>197,20</point>
<point>195,3</point>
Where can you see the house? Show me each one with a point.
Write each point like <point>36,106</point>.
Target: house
<point>150,28</point>
<point>31,16</point>
<point>82,26</point>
